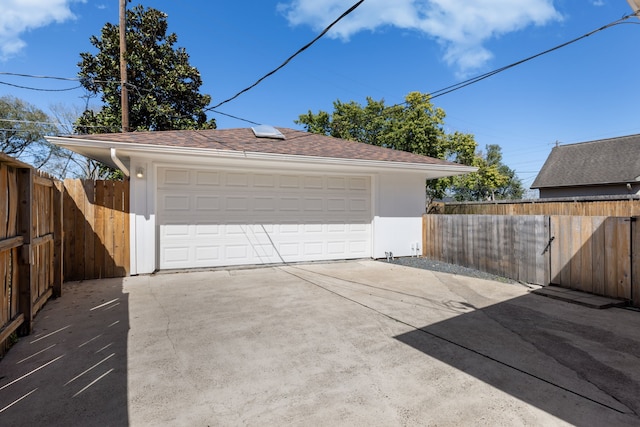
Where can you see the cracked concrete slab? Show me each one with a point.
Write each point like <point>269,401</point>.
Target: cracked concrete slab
<point>351,343</point>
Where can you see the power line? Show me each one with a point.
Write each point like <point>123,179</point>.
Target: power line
<point>30,122</point>
<point>465,83</point>
<point>41,89</point>
<point>302,49</point>
<point>233,117</point>
<point>74,79</point>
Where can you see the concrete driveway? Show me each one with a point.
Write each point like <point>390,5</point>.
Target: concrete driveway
<point>352,343</point>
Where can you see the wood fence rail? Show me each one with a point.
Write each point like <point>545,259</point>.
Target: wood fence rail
<point>51,232</point>
<point>599,255</point>
<point>603,206</point>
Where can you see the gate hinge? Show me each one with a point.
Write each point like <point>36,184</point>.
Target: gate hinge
<point>546,248</point>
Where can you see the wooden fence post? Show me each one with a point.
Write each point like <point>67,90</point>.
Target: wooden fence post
<point>25,265</point>
<point>58,247</point>
<point>635,261</point>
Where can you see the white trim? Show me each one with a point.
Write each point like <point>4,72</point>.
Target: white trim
<point>133,149</point>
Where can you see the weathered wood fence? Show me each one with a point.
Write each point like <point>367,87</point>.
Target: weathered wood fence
<point>30,245</point>
<point>508,246</point>
<point>600,255</point>
<point>593,206</point>
<point>51,232</point>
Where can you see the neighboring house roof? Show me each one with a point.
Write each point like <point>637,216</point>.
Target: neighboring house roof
<point>244,141</point>
<point>602,162</point>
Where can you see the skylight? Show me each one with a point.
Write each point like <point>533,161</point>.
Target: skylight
<point>267,131</point>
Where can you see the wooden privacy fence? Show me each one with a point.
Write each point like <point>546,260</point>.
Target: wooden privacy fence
<point>96,224</point>
<point>508,246</point>
<point>599,255</point>
<point>30,245</point>
<point>51,232</point>
<point>600,206</point>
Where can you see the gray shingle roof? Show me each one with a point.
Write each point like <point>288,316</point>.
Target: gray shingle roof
<point>243,139</point>
<point>606,161</point>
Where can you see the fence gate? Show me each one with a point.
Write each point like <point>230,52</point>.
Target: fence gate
<point>594,254</point>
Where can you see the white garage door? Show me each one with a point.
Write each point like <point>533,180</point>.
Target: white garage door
<point>211,218</point>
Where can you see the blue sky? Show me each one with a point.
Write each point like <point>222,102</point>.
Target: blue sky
<point>385,49</point>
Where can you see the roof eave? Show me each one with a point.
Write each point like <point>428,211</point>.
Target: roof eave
<point>597,184</point>
<point>128,148</point>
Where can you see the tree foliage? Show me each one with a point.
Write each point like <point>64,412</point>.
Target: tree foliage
<point>417,126</point>
<point>163,87</point>
<point>493,181</point>
<point>23,129</point>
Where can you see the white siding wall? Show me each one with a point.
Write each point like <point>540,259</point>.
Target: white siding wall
<point>142,219</point>
<point>400,203</point>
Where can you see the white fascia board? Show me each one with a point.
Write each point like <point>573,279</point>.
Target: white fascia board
<point>146,150</point>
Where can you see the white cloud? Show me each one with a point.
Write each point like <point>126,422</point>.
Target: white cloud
<point>19,16</point>
<point>460,26</point>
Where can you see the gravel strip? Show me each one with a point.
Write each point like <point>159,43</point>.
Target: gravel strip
<point>443,267</point>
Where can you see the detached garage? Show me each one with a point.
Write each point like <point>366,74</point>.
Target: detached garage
<point>227,197</point>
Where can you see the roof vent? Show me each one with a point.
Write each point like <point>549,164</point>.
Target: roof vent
<point>266,131</point>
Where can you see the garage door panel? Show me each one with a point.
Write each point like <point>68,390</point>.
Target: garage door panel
<point>358,246</point>
<point>289,229</point>
<point>313,204</point>
<point>313,228</point>
<point>361,184</point>
<point>313,182</point>
<point>359,205</point>
<point>175,203</point>
<point>237,179</point>
<point>264,181</point>
<point>290,249</point>
<point>216,218</point>
<point>289,204</point>
<point>336,247</point>
<point>207,254</point>
<point>336,183</point>
<point>236,251</point>
<point>177,231</point>
<point>336,204</point>
<point>207,203</point>
<point>176,255</point>
<point>336,228</point>
<point>207,230</point>
<point>233,203</point>
<point>175,177</point>
<point>207,179</point>
<point>313,248</point>
<point>263,250</point>
<point>358,228</point>
<point>289,181</point>
<point>264,204</point>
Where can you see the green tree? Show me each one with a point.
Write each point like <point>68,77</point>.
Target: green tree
<point>23,127</point>
<point>416,126</point>
<point>163,87</point>
<point>22,130</point>
<point>493,181</point>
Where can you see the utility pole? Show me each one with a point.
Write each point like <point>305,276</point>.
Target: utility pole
<point>124,94</point>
